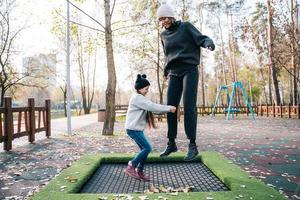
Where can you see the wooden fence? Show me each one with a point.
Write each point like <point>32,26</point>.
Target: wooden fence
<point>30,120</point>
<point>288,111</point>
<point>283,111</point>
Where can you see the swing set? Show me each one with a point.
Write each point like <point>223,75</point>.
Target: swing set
<point>230,109</point>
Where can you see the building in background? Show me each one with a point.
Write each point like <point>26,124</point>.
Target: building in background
<point>43,66</point>
<point>42,75</point>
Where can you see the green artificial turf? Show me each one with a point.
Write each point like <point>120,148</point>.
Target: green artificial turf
<point>241,185</point>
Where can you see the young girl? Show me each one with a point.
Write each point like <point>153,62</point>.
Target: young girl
<point>138,115</point>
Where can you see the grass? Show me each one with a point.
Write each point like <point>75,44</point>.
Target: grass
<point>241,185</point>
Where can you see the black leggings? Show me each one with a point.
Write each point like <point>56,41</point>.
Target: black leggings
<point>186,85</point>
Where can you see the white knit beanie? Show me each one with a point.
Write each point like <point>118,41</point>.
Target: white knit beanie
<point>165,11</point>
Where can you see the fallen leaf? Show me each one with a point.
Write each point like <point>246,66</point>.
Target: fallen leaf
<point>71,179</point>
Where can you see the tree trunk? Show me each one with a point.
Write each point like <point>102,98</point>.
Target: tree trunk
<point>293,51</point>
<point>230,50</point>
<point>65,100</point>
<point>158,66</point>
<point>201,62</point>
<point>222,52</point>
<point>91,98</point>
<point>270,85</point>
<point>263,78</point>
<point>108,127</point>
<point>233,51</point>
<point>271,52</point>
<point>2,96</point>
<point>83,86</point>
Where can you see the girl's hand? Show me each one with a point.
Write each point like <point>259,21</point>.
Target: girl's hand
<point>172,109</point>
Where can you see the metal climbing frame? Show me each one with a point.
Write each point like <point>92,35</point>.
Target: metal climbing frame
<point>231,110</point>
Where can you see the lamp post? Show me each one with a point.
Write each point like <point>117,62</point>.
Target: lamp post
<point>68,72</point>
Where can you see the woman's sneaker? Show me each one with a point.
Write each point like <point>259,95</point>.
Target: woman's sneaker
<point>143,176</point>
<point>130,171</point>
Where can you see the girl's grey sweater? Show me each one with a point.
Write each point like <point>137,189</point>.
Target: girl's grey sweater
<point>137,111</point>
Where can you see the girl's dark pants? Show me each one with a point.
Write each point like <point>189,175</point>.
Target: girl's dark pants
<point>183,83</point>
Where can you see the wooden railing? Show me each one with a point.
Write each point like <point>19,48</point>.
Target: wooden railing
<point>30,120</point>
<point>283,111</point>
<point>288,111</point>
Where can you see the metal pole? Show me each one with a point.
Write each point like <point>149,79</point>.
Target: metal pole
<point>68,71</point>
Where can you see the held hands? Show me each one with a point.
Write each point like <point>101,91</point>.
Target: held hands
<point>172,109</point>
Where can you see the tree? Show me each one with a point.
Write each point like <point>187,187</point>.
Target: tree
<point>146,55</point>
<point>83,47</point>
<point>273,68</point>
<point>294,40</point>
<point>58,29</point>
<point>255,33</point>
<point>10,78</point>
<point>229,8</point>
<point>108,127</point>
<point>201,66</point>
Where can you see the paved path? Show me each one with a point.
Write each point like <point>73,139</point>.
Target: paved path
<point>268,149</point>
<point>59,127</point>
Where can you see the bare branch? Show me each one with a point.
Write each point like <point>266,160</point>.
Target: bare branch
<point>131,26</point>
<point>86,26</point>
<point>112,10</point>
<point>121,21</point>
<point>86,14</point>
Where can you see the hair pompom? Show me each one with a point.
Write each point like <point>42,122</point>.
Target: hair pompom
<point>141,81</point>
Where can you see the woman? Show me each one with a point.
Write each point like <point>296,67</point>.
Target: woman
<point>181,42</point>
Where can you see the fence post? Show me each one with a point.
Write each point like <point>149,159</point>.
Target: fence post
<point>289,110</point>
<point>31,136</point>
<point>261,111</point>
<point>8,124</point>
<point>267,110</point>
<point>48,118</point>
<point>281,110</point>
<point>299,111</point>
<point>274,110</point>
<point>247,110</point>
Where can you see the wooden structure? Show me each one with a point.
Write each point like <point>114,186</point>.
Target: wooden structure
<point>283,111</point>
<point>23,121</point>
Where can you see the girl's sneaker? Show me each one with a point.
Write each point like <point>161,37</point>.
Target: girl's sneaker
<point>143,176</point>
<point>130,171</point>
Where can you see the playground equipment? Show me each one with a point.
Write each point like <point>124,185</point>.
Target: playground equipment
<point>230,109</point>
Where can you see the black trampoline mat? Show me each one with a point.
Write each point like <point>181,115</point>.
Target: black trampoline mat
<point>110,178</point>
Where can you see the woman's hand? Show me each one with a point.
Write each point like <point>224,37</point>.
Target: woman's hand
<point>211,47</point>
